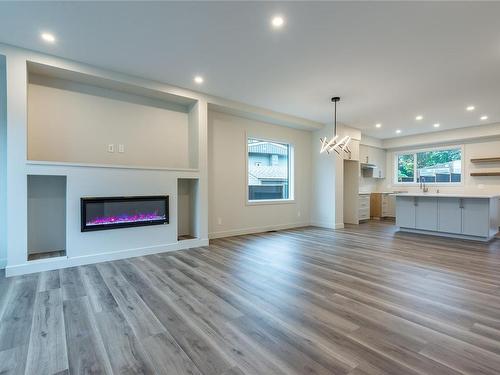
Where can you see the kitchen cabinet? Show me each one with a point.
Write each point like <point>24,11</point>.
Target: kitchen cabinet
<point>354,147</point>
<point>450,215</point>
<point>364,207</point>
<point>426,213</point>
<point>473,217</point>
<point>374,156</point>
<point>405,212</point>
<point>382,205</point>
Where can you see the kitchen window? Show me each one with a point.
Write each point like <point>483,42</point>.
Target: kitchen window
<point>435,166</point>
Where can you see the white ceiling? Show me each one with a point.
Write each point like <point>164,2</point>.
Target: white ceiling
<point>388,61</point>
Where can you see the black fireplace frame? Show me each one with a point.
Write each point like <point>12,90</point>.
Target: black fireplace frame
<point>85,200</point>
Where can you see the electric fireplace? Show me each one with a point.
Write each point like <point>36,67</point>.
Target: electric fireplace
<point>100,213</point>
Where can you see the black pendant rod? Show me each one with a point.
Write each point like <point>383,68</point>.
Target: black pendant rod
<point>335,99</point>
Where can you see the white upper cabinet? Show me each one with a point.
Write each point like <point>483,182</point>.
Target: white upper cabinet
<point>354,147</point>
<point>376,156</point>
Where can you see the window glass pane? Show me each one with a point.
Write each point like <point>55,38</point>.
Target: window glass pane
<point>440,166</point>
<point>406,167</point>
<point>268,170</point>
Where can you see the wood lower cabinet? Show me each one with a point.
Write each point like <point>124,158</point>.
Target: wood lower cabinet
<point>382,205</point>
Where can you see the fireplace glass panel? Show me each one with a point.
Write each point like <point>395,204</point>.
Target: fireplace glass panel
<point>120,212</point>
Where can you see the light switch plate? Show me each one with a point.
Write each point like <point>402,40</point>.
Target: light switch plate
<point>111,147</point>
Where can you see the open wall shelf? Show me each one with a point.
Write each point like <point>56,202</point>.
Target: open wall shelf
<point>485,174</point>
<point>486,160</point>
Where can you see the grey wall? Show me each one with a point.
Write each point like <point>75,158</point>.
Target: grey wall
<point>46,213</point>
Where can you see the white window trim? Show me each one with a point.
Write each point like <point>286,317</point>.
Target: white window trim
<point>415,151</point>
<point>291,173</point>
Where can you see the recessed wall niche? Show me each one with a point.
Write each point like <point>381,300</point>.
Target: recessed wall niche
<point>75,118</point>
<point>187,206</point>
<point>46,216</point>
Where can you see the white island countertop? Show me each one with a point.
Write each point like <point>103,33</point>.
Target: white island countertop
<point>446,195</point>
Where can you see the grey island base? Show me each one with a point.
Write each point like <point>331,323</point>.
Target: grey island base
<point>465,216</point>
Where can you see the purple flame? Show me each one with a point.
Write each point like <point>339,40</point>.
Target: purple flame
<point>125,218</point>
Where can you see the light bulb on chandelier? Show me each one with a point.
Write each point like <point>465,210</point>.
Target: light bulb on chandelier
<point>340,147</point>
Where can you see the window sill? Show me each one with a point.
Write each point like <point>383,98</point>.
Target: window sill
<point>431,184</point>
<point>270,201</point>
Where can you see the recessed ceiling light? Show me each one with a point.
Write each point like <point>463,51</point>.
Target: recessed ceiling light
<point>398,131</point>
<point>419,117</point>
<point>379,125</point>
<point>437,125</point>
<point>470,108</point>
<point>198,79</point>
<point>484,117</point>
<point>48,37</point>
<point>277,22</point>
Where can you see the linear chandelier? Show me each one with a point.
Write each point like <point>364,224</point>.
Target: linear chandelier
<point>341,146</point>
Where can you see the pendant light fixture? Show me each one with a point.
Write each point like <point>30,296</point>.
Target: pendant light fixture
<point>341,146</point>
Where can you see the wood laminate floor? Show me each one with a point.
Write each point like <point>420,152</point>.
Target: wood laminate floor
<point>362,300</point>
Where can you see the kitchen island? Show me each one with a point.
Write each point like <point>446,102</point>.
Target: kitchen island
<point>465,216</point>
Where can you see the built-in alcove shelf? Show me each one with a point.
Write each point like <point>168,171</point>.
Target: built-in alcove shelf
<point>77,119</point>
<point>485,174</point>
<point>46,217</point>
<point>187,209</point>
<point>486,160</point>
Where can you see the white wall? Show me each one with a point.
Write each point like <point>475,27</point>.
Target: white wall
<point>481,148</point>
<point>323,177</point>
<point>93,180</point>
<point>3,164</point>
<point>72,122</point>
<point>229,213</point>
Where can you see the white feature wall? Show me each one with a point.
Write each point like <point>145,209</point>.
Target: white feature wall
<point>73,122</point>
<point>3,163</point>
<point>229,213</point>
<point>324,168</point>
<point>59,128</point>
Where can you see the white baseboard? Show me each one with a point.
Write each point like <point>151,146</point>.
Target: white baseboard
<point>239,232</point>
<point>3,263</point>
<point>65,262</point>
<point>327,225</point>
<point>323,224</point>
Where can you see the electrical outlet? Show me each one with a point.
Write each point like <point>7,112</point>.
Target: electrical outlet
<point>111,147</point>
<point>219,221</point>
<point>121,148</point>
<point>298,213</point>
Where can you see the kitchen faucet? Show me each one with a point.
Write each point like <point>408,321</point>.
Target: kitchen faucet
<point>424,188</point>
